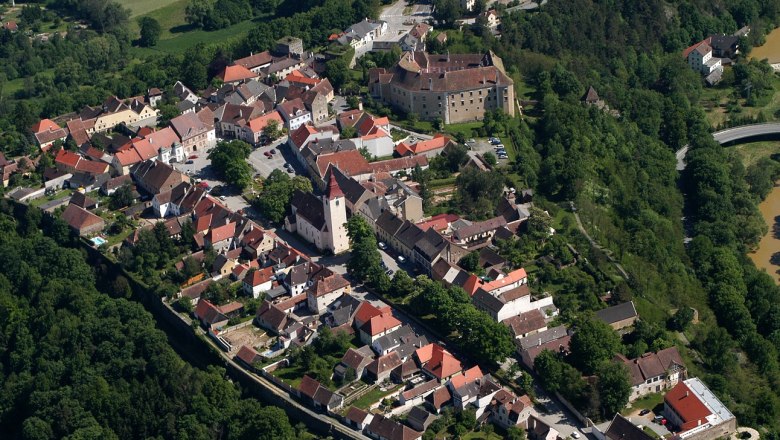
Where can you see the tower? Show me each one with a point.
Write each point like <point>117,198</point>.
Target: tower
<point>335,210</point>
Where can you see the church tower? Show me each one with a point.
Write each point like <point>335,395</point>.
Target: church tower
<point>335,210</point>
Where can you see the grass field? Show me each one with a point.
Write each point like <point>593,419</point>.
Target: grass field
<point>715,99</point>
<point>751,152</point>
<point>142,7</point>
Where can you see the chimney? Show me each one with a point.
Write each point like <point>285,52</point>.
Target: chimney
<point>686,393</point>
<point>430,83</point>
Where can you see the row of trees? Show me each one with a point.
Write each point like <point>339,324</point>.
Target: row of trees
<point>77,363</point>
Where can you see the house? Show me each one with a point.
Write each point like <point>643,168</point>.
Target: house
<point>508,303</point>
<point>271,317</point>
<point>653,372</point>
<point>232,118</point>
<point>358,418</point>
<point>318,396</point>
<point>325,288</point>
<point>111,185</point>
<point>437,362</point>
<point>419,419</point>
<point>252,132</point>
<point>438,399</point>
<point>161,144</point>
<point>289,46</point>
<point>491,18</point>
<point>259,280</point>
<point>478,233</point>
<point>255,62</point>
<point>194,134</point>
<point>294,113</point>
<point>11,26</point>
<point>414,40</point>
<point>235,74</point>
<point>47,132</point>
<point>700,58</point>
<point>248,356</point>
<point>510,410</point>
<point>361,36</point>
<point>178,201</point>
<point>257,241</point>
<point>620,316</point>
<point>555,339</point>
<point>210,315</point>
<point>526,324</point>
<point>377,325</point>
<point>724,46</point>
<point>114,112</point>
<point>621,428</point>
<point>221,237</point>
<point>431,246</point>
<point>357,359</point>
<point>382,428</point>
<point>373,133</point>
<point>429,148</point>
<point>155,177</point>
<point>83,201</point>
<point>195,291</point>
<point>454,88</point>
<point>320,221</point>
<point>82,221</point>
<point>537,429</point>
<point>380,368</point>
<point>692,409</point>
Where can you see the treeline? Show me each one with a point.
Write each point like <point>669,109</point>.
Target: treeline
<point>77,363</point>
<point>451,310</point>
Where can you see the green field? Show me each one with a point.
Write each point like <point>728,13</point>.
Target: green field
<point>751,152</point>
<point>142,7</point>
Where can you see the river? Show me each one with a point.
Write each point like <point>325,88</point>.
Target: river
<point>770,49</point>
<point>767,256</point>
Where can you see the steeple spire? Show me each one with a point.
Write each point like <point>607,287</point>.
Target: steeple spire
<point>333,189</point>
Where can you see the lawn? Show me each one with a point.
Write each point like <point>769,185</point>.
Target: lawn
<point>751,152</point>
<point>185,37</point>
<point>715,99</point>
<point>650,401</point>
<point>142,7</point>
<point>291,375</point>
<point>373,396</point>
<point>481,435</point>
<point>467,128</point>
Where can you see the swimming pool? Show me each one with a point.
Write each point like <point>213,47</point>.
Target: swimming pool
<point>98,241</point>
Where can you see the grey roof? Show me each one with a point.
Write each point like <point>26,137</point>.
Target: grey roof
<point>310,207</point>
<point>275,292</point>
<point>389,223</point>
<point>622,428</point>
<point>544,337</point>
<point>430,244</point>
<point>617,313</point>
<point>409,234</point>
<point>393,339</point>
<point>376,206</point>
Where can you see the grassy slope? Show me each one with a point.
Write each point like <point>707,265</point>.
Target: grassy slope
<point>142,7</point>
<point>715,99</point>
<point>751,152</point>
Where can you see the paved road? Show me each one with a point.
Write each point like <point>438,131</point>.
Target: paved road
<point>734,134</point>
<point>399,23</point>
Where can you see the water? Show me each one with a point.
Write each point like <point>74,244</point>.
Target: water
<point>770,49</point>
<point>767,256</point>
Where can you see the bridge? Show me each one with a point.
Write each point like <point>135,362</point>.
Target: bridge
<point>735,134</point>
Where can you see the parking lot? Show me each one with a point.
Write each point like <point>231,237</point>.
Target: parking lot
<point>264,165</point>
<point>200,169</point>
<point>482,146</point>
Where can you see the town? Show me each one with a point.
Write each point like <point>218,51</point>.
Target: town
<point>297,226</point>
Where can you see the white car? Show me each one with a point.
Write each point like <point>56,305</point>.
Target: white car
<point>401,259</point>
<point>575,434</point>
<point>382,245</point>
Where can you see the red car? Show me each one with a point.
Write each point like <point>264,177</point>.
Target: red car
<point>203,185</point>
<point>267,154</point>
<point>194,156</point>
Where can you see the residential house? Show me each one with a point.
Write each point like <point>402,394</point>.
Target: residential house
<point>537,429</point>
<point>694,412</point>
<point>373,133</point>
<point>47,132</point>
<point>294,113</point>
<point>454,88</point>
<point>252,132</point>
<point>414,40</point>
<point>510,410</point>
<point>236,74</point>
<point>257,241</point>
<point>555,339</point>
<point>111,185</point>
<point>381,323</point>
<point>419,419</point>
<point>82,221</point>
<point>699,57</point>
<point>382,428</point>
<point>248,356</point>
<point>161,144</point>
<point>156,177</point>
<point>178,201</point>
<point>255,62</point>
<point>358,418</point>
<point>621,428</point>
<point>380,368</point>
<point>193,134</point>
<point>220,238</point>
<point>526,324</point>
<point>259,280</point>
<point>361,36</point>
<point>437,362</point>
<point>211,316</point>
<point>620,316</point>
<point>232,118</point>
<point>318,396</point>
<point>357,359</point>
<point>429,148</point>
<point>478,233</point>
<point>438,399</point>
<point>653,372</point>
<point>325,288</point>
<point>305,134</point>
<point>83,201</point>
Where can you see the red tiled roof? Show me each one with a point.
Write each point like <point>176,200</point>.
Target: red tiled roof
<point>439,141</point>
<point>467,377</point>
<point>382,323</point>
<point>687,405</point>
<point>511,278</point>
<point>67,158</point>
<point>259,123</point>
<point>438,361</point>
<point>79,218</point>
<point>297,77</point>
<point>349,162</point>
<point>221,233</point>
<point>235,73</point>
<point>45,125</point>
<point>365,312</point>
<point>260,276</point>
<point>92,167</point>
<point>255,60</point>
<point>308,386</point>
<point>300,134</point>
<point>247,354</point>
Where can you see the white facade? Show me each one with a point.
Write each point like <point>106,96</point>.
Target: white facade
<point>319,304</point>
<point>336,238</point>
<point>295,121</point>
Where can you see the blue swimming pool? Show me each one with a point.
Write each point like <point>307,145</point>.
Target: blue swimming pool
<point>97,241</point>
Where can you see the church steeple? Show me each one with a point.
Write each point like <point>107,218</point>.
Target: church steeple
<point>333,190</point>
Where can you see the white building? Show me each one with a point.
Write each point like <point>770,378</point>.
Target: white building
<point>321,220</point>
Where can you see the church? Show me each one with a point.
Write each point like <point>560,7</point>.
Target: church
<point>320,220</point>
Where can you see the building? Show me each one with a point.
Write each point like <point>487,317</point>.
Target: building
<point>236,74</point>
<point>455,88</point>
<point>82,221</point>
<point>361,36</point>
<point>294,113</point>
<point>653,372</point>
<point>700,58</point>
<point>155,177</point>
<point>252,132</point>
<point>47,132</point>
<point>194,134</point>
<point>621,428</point>
<point>255,62</point>
<point>321,220</point>
<point>325,288</point>
<point>692,409</point>
<point>620,316</point>
<point>437,362</point>
<point>289,46</point>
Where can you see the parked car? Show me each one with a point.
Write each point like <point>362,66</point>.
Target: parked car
<point>495,141</point>
<point>575,434</point>
<point>389,272</point>
<point>471,141</point>
<point>401,259</point>
<point>644,412</point>
<point>194,156</point>
<point>273,151</point>
<point>222,198</point>
<point>267,154</point>
<point>382,245</point>
<point>190,162</point>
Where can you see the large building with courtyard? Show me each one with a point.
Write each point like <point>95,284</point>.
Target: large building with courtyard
<point>454,88</point>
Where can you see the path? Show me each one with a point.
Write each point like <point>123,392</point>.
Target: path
<point>593,243</point>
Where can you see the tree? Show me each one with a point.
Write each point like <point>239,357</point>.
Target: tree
<point>681,319</point>
<point>478,192</point>
<point>365,258</point>
<point>278,189</point>
<point>198,12</point>
<point>594,342</point>
<point>539,223</point>
<point>337,72</point>
<point>150,31</point>
<point>490,158</point>
<point>229,160</point>
<point>121,198</point>
<point>272,131</point>
<point>348,132</point>
<point>614,387</point>
<point>515,433</point>
<point>470,262</point>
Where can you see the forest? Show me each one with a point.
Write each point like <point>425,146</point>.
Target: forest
<point>79,363</point>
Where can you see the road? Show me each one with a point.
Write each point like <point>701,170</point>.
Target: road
<point>734,134</point>
<point>399,23</point>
